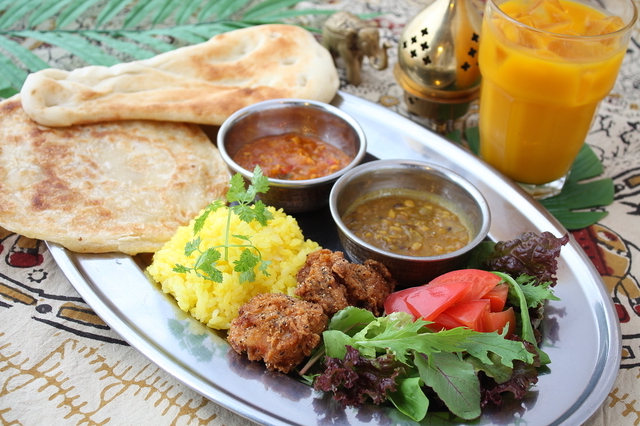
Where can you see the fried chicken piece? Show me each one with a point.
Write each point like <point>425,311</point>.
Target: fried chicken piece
<point>368,285</point>
<point>280,330</point>
<point>328,279</point>
<point>317,282</point>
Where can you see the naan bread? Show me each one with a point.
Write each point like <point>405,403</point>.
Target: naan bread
<point>121,186</point>
<point>203,83</point>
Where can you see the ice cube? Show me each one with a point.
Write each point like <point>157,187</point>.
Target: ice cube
<point>603,26</point>
<point>583,51</point>
<point>523,36</point>
<point>548,12</point>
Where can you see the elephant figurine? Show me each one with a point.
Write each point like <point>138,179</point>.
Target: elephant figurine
<point>351,38</point>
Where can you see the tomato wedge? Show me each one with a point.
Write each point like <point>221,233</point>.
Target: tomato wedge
<point>470,314</point>
<point>470,298</point>
<point>496,321</point>
<point>481,281</point>
<point>444,321</point>
<point>431,300</point>
<point>396,301</point>
<point>498,297</point>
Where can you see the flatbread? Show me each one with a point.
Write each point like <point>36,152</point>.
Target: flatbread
<point>120,186</point>
<point>203,83</point>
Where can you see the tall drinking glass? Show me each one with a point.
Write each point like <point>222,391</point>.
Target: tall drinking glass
<point>546,65</point>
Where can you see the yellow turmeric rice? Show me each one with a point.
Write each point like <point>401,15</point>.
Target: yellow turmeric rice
<point>216,304</point>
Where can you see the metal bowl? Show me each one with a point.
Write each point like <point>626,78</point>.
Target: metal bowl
<point>305,117</point>
<point>462,199</point>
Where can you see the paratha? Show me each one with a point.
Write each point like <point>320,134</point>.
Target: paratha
<point>120,186</point>
<point>203,83</point>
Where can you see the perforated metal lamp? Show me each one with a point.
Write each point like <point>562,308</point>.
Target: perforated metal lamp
<point>438,62</point>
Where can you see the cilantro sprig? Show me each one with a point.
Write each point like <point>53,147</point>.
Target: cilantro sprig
<point>242,204</point>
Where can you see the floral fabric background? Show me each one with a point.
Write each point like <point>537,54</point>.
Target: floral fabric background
<point>53,347</point>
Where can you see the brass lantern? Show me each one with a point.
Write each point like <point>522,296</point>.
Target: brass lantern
<point>438,62</point>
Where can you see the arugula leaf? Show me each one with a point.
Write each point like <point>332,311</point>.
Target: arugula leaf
<point>483,345</point>
<point>409,398</point>
<point>351,320</point>
<point>402,336</point>
<point>526,328</point>
<point>454,380</point>
<point>438,359</point>
<point>534,291</point>
<point>496,370</point>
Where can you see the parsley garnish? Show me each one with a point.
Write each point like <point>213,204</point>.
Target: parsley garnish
<point>241,203</point>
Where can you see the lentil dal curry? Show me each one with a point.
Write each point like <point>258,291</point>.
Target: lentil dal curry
<point>407,222</point>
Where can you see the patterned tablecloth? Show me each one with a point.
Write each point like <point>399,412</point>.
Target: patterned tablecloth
<point>61,365</point>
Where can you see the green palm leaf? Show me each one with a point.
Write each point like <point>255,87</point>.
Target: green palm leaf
<point>120,30</point>
<point>14,13</point>
<point>22,54</point>
<point>285,14</point>
<point>188,9</point>
<point>222,8</point>
<point>70,13</point>
<point>75,44</point>
<point>166,10</point>
<point>6,89</point>
<point>149,40</point>
<point>11,74</point>
<point>268,6</point>
<point>46,10</point>
<point>141,10</point>
<point>5,3</point>
<point>131,49</point>
<point>186,33</point>
<point>110,11</point>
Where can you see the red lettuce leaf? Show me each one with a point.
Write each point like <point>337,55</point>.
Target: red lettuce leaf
<point>356,380</point>
<point>523,377</point>
<point>530,254</point>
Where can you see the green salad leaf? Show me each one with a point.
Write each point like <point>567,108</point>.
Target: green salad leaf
<point>397,358</point>
<point>518,295</point>
<point>446,361</point>
<point>454,380</point>
<point>409,398</point>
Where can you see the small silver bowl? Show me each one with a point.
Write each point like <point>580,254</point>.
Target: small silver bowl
<point>304,117</point>
<point>462,198</point>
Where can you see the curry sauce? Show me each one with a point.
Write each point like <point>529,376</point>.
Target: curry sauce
<point>292,156</point>
<point>407,224</point>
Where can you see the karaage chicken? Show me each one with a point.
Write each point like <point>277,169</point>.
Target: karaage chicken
<point>278,329</point>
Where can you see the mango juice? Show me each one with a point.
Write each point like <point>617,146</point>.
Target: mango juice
<point>541,86</point>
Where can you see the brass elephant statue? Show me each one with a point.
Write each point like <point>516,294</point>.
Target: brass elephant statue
<point>349,37</point>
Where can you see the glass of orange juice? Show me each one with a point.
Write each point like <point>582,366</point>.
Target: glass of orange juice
<point>545,66</point>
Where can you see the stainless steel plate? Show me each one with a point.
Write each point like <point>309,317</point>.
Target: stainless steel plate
<point>581,332</point>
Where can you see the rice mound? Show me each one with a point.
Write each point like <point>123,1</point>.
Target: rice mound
<point>216,304</point>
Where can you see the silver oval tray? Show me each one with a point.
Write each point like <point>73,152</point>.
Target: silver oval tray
<point>581,332</point>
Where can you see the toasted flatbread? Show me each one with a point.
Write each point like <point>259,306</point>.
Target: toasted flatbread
<point>121,186</point>
<point>203,83</point>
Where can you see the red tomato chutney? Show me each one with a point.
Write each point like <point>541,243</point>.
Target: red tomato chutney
<point>292,156</point>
